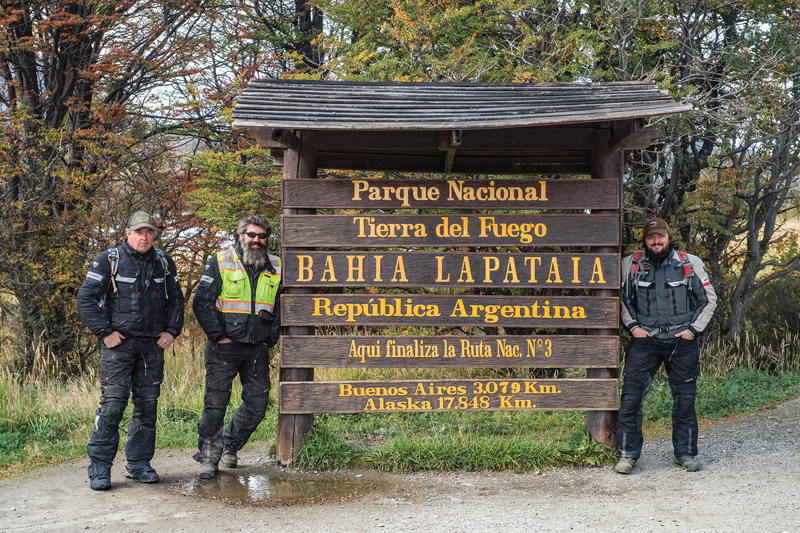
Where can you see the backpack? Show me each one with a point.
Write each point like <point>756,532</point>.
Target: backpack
<point>113,258</point>
<point>688,271</point>
<point>688,268</point>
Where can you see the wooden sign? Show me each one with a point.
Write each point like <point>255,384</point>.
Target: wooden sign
<point>449,230</point>
<point>447,395</point>
<point>429,269</point>
<point>413,310</point>
<point>451,194</point>
<point>452,351</point>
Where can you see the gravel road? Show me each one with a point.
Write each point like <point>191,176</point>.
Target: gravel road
<point>749,483</point>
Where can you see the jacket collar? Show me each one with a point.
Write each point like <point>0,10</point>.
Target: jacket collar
<point>149,255</point>
<point>664,258</point>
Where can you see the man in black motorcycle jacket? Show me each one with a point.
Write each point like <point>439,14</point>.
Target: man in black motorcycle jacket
<point>132,301</point>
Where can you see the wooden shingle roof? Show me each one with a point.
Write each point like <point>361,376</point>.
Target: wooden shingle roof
<point>398,106</point>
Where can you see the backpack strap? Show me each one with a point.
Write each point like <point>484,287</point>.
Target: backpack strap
<point>630,291</point>
<point>688,268</point>
<point>113,259</point>
<point>637,258</point>
<point>165,265</point>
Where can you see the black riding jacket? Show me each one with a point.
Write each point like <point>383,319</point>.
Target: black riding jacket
<point>261,328</point>
<point>139,307</point>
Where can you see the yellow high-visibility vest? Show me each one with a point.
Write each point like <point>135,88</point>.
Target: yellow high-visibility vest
<point>236,291</point>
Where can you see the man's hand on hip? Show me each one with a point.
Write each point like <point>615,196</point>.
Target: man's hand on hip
<point>164,340</point>
<point>685,334</point>
<point>113,340</point>
<point>640,333</point>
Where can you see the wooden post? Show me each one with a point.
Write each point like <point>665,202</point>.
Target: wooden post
<point>300,162</point>
<point>606,164</point>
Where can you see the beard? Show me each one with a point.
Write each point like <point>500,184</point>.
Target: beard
<point>255,257</point>
<point>665,251</point>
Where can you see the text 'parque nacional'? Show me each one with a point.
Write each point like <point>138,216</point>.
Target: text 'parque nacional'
<point>452,193</point>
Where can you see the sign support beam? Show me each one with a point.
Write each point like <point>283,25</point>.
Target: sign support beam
<point>606,164</point>
<point>300,162</point>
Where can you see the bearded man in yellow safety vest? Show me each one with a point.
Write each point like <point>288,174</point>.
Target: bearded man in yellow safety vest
<point>237,303</point>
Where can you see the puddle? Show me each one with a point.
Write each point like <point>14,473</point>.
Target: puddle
<point>268,487</point>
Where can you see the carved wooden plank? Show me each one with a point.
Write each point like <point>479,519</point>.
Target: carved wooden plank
<point>271,138</point>
<point>549,139</point>
<point>450,230</point>
<point>431,269</point>
<point>452,194</point>
<point>449,395</point>
<point>451,351</point>
<point>463,164</point>
<point>413,310</point>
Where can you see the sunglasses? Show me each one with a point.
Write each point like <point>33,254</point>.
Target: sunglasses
<point>253,235</point>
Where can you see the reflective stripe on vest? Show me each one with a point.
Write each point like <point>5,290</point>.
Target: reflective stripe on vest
<point>236,290</point>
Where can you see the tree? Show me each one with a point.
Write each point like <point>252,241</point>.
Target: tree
<point>85,108</point>
<point>724,175</point>
<point>230,184</point>
<point>273,38</point>
<point>456,40</point>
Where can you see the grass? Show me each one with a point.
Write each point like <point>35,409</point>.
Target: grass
<point>47,422</point>
<point>498,440</point>
<point>740,391</point>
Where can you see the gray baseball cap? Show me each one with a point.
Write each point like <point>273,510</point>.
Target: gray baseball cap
<point>140,219</point>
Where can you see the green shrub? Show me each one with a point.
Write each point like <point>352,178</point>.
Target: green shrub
<point>774,311</point>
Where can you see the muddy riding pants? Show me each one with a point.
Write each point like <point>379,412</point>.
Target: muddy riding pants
<point>137,366</point>
<point>223,363</point>
<point>645,356</point>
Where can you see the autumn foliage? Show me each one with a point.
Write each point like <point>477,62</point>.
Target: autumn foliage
<point>106,108</point>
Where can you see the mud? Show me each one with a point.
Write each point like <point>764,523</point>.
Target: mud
<point>270,486</point>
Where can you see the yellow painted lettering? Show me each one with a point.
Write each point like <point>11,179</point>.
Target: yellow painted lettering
<point>575,261</point>
<point>328,274</point>
<point>465,269</point>
<point>597,271</point>
<point>511,269</point>
<point>400,269</point>
<point>322,304</point>
<point>492,264</point>
<point>359,186</point>
<point>554,272</point>
<point>534,262</point>
<point>352,269</point>
<point>304,270</point>
<point>439,279</point>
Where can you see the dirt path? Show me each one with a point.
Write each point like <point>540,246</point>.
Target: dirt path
<point>749,483</point>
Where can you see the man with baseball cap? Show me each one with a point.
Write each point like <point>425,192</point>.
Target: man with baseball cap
<point>667,302</point>
<point>132,301</point>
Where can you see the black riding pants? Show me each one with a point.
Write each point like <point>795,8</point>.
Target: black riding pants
<point>645,356</point>
<point>136,365</point>
<point>223,363</point>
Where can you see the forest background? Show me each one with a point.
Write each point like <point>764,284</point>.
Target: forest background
<point>111,107</point>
